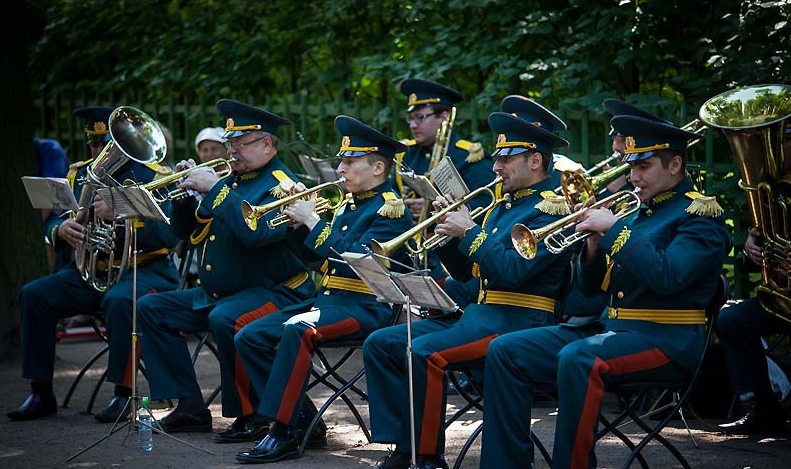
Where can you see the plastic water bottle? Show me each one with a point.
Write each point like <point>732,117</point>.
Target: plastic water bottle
<point>145,438</point>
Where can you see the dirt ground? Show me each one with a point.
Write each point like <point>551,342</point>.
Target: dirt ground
<point>51,442</point>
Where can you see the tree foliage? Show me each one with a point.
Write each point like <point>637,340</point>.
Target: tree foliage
<point>571,53</point>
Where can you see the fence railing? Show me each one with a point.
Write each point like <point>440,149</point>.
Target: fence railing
<point>710,160</point>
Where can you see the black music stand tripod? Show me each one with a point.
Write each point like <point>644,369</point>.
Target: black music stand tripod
<point>133,204</point>
<point>412,287</point>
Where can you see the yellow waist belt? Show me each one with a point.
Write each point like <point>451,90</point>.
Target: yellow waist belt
<point>296,280</point>
<point>494,297</point>
<point>349,284</point>
<point>142,258</point>
<point>661,316</point>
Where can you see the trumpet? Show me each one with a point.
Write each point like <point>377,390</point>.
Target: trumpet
<point>220,166</point>
<point>387,248</point>
<point>526,240</point>
<point>252,213</point>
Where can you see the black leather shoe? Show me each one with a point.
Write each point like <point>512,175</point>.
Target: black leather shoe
<point>271,449</point>
<point>35,405</point>
<point>394,460</point>
<point>431,462</point>
<point>759,420</point>
<point>247,428</point>
<point>182,422</point>
<point>116,411</point>
<point>318,437</point>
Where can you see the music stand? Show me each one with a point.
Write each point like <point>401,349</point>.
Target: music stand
<point>401,288</point>
<point>132,204</point>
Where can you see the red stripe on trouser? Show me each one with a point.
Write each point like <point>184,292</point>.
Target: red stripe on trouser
<point>293,389</point>
<point>127,380</point>
<point>436,364</point>
<point>583,443</point>
<point>241,378</point>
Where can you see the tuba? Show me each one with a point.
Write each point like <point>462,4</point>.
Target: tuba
<point>753,119</point>
<point>133,136</point>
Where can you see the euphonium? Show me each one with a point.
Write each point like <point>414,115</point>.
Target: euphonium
<point>252,213</point>
<point>221,167</point>
<point>388,248</point>
<point>753,120</point>
<point>133,136</point>
<point>526,240</point>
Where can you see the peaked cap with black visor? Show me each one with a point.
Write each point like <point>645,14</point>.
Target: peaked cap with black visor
<point>617,107</point>
<point>532,112</point>
<point>358,139</point>
<point>97,120</point>
<point>422,93</point>
<point>243,118</point>
<point>516,135</point>
<point>644,137</point>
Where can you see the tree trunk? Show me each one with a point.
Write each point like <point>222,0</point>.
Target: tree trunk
<point>21,248</point>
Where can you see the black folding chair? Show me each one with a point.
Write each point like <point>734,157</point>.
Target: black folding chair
<point>678,391</point>
<point>475,399</point>
<point>328,374</point>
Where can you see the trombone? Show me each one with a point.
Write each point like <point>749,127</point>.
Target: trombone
<point>387,248</point>
<point>252,213</point>
<point>221,167</point>
<point>526,240</point>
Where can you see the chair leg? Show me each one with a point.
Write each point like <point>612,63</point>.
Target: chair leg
<point>96,356</point>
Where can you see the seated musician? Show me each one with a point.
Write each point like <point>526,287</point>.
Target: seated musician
<point>277,349</point>
<point>513,294</point>
<point>244,274</point>
<point>740,327</point>
<point>659,265</point>
<point>71,290</point>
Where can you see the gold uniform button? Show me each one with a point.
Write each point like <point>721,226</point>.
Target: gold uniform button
<point>215,296</point>
<point>620,295</point>
<point>353,207</point>
<point>332,272</point>
<point>486,281</point>
<point>508,205</point>
<point>234,185</point>
<point>208,267</point>
<point>494,230</point>
<point>212,237</point>
<point>344,228</point>
<point>326,292</point>
<point>649,212</point>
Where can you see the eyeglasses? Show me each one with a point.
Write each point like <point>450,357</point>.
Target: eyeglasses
<point>239,145</point>
<point>420,118</point>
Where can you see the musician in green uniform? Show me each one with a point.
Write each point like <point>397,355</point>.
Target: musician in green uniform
<point>659,266</point>
<point>513,294</point>
<point>244,275</point>
<point>71,290</point>
<point>277,349</point>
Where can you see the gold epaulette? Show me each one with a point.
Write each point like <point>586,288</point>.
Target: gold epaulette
<point>160,170</point>
<point>553,204</point>
<point>80,164</point>
<point>474,149</point>
<point>284,185</point>
<point>71,175</point>
<point>393,206</point>
<point>705,206</point>
<point>408,142</point>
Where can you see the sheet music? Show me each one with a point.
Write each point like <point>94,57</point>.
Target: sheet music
<point>318,169</point>
<point>447,178</point>
<point>424,291</point>
<point>132,202</point>
<point>376,276</point>
<point>420,184</point>
<point>50,193</point>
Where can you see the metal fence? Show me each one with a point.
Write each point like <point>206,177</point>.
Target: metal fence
<point>313,132</point>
